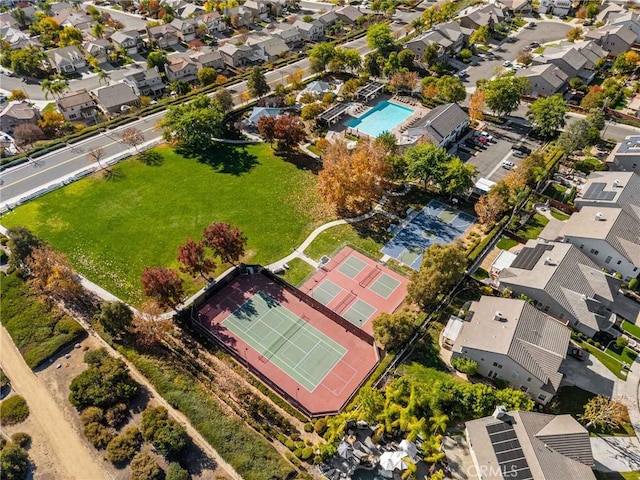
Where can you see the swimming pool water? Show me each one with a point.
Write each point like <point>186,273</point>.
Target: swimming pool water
<point>381,118</point>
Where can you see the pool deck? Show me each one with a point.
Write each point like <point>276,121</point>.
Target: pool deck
<point>340,130</point>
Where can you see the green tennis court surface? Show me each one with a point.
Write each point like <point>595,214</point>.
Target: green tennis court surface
<point>326,291</point>
<point>409,255</point>
<point>447,215</point>
<point>284,339</point>
<point>359,312</point>
<point>352,267</point>
<point>384,285</point>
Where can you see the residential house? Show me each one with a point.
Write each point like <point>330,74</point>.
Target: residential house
<point>117,98</point>
<point>442,125</point>
<point>518,7</point>
<point>235,55</point>
<point>208,57</point>
<point>574,59</point>
<point>419,44</point>
<point>267,48</point>
<point>629,19</point>
<point>258,112</point>
<point>189,10</point>
<point>98,49</point>
<point>259,9</point>
<point>555,7</point>
<point>545,79</point>
<point>529,445</point>
<point>625,156</point>
<point>348,14</point>
<point>455,33</point>
<point>240,16</point>
<point>7,21</point>
<point>72,18</point>
<point>511,340</point>
<point>67,59</point>
<point>14,114</point>
<point>289,34</point>
<point>77,106</point>
<point>181,68</point>
<point>564,283</point>
<point>609,11</point>
<point>146,83</point>
<point>185,29</point>
<point>608,236</point>
<point>165,35</point>
<point>17,39</point>
<point>485,15</point>
<point>615,39</point>
<point>611,189</point>
<point>310,31</point>
<point>129,40</point>
<point>59,6</point>
<point>329,18</point>
<point>213,21</point>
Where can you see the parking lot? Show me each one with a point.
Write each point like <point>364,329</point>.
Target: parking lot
<point>488,158</point>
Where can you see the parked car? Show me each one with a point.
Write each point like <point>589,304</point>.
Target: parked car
<point>462,74</point>
<point>576,352</point>
<point>507,63</point>
<point>521,148</point>
<point>484,135</point>
<point>531,25</point>
<point>518,154</point>
<point>587,23</point>
<point>512,39</point>
<point>534,44</point>
<point>507,165</point>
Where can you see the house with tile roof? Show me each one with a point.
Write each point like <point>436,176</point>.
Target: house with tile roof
<point>146,82</point>
<point>165,35</point>
<point>213,21</point>
<point>529,446</point>
<point>77,106</point>
<point>310,31</point>
<point>117,98</point>
<point>442,125</point>
<point>615,39</point>
<point>564,283</point>
<point>513,341</point>
<point>181,68</point>
<point>67,59</point>
<point>608,236</point>
<point>185,29</point>
<point>16,113</point>
<point>625,157</point>
<point>130,40</point>
<point>545,80</point>
<point>611,189</point>
<point>575,59</point>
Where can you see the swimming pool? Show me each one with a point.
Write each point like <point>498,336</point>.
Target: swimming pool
<point>381,118</point>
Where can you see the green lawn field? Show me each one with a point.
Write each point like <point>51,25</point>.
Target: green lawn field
<point>111,229</point>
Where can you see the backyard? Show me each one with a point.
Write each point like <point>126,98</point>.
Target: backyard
<point>535,225</point>
<point>111,229</point>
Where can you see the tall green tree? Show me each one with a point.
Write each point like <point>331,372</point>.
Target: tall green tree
<point>451,89</point>
<point>393,330</point>
<point>379,38</point>
<point>480,35</point>
<point>502,95</point>
<point>322,54</point>
<point>207,76</point>
<point>157,59</point>
<point>115,317</point>
<point>458,177</point>
<point>193,124</point>
<point>14,462</point>
<point>257,83</point>
<point>547,115</point>
<point>426,162</point>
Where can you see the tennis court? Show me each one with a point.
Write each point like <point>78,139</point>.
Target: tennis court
<point>286,340</point>
<point>357,287</point>
<point>435,223</point>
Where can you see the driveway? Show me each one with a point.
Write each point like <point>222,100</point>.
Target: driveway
<point>461,465</point>
<point>590,375</point>
<point>616,454</point>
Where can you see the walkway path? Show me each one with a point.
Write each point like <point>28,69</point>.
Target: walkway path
<point>72,454</point>
<point>629,393</point>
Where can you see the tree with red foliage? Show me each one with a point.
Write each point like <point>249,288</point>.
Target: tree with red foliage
<point>267,128</point>
<point>164,285</point>
<point>227,241</point>
<point>194,259</point>
<point>289,132</point>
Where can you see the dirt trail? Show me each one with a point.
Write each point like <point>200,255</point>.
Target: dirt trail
<point>71,453</point>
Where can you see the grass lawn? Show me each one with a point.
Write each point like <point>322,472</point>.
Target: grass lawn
<point>611,363</point>
<point>625,354</point>
<point>298,271</point>
<point>36,329</point>
<point>555,191</point>
<point>631,328</point>
<point>558,215</point>
<point>506,243</point>
<point>533,227</point>
<point>480,274</point>
<point>617,475</point>
<point>111,229</point>
<point>368,236</point>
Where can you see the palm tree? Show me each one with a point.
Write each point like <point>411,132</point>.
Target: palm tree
<point>439,423</point>
<point>418,24</point>
<point>103,76</point>
<point>98,30</point>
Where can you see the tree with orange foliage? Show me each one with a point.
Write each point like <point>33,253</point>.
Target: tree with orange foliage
<point>51,275</point>
<point>352,179</point>
<point>476,106</point>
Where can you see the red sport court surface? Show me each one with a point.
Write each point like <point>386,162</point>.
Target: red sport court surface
<point>295,344</point>
<point>357,288</point>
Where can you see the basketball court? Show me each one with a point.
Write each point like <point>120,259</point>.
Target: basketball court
<point>305,352</point>
<point>435,223</point>
<point>357,287</point>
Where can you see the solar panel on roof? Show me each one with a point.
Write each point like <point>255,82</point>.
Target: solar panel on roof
<point>524,474</point>
<point>498,427</point>
<point>506,446</point>
<point>503,436</point>
<point>510,456</point>
<point>528,256</point>
<point>596,192</point>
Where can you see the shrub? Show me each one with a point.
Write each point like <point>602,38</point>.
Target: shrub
<point>13,410</point>
<point>3,256</point>
<point>308,427</point>
<point>91,415</point>
<point>3,239</point>
<point>116,415</point>
<point>98,435</point>
<point>597,344</point>
<point>465,365</point>
<point>290,444</point>
<point>622,342</point>
<point>176,472</point>
<point>317,460</point>
<point>168,436</point>
<point>298,452</point>
<point>95,357</point>
<point>144,467</point>
<point>14,462</point>
<point>21,439</point>
<point>103,385</point>
<point>321,426</point>
<point>307,453</point>
<point>122,448</point>
<point>633,284</point>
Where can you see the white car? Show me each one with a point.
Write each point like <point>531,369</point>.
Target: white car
<point>507,63</point>
<point>485,135</point>
<point>507,165</point>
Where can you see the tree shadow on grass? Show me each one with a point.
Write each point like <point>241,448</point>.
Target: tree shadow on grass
<point>301,161</point>
<point>231,159</point>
